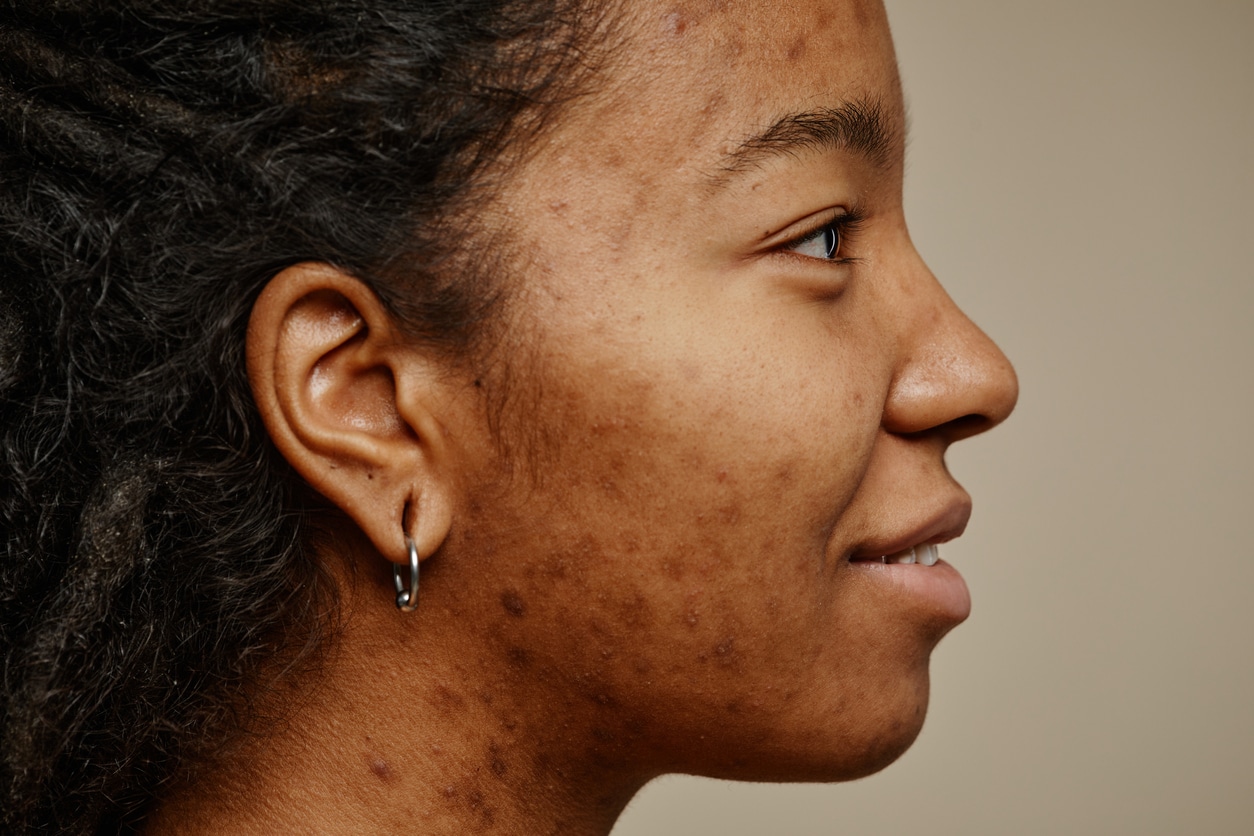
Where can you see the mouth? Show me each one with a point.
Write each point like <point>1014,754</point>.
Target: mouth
<point>918,544</point>
<point>907,568</point>
<point>924,554</point>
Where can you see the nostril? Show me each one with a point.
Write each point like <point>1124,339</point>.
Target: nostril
<point>966,426</point>
<point>954,430</point>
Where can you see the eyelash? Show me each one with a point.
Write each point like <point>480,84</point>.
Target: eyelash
<point>846,225</point>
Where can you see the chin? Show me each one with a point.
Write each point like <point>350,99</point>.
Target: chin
<point>846,744</point>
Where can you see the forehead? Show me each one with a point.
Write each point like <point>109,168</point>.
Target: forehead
<point>689,82</point>
<point>682,86</point>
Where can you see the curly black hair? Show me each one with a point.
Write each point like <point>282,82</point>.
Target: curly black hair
<point>160,160</point>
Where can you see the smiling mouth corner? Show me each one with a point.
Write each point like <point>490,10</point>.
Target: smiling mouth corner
<point>924,554</point>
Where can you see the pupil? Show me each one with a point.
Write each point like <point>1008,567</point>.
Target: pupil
<point>831,241</point>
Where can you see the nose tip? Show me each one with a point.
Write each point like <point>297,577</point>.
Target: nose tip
<point>955,381</point>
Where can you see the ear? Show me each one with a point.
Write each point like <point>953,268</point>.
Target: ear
<point>350,405</point>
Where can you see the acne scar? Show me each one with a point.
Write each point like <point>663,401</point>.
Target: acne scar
<point>797,49</point>
<point>381,769</point>
<point>513,603</point>
<point>675,24</point>
<point>603,699</point>
<point>479,803</point>
<point>634,612</point>
<point>518,657</point>
<point>495,762</point>
<point>448,700</point>
<point>714,103</point>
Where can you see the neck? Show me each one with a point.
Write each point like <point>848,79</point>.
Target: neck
<point>409,726</point>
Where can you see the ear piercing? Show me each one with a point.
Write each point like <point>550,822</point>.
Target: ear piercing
<point>407,599</point>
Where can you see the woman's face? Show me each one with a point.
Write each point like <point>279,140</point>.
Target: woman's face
<point>715,414</point>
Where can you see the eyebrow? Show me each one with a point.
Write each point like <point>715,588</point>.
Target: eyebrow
<point>859,126</point>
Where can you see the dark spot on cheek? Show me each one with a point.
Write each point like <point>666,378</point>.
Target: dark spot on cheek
<point>635,612</point>
<point>797,49</point>
<point>519,658</point>
<point>449,700</point>
<point>675,24</point>
<point>474,799</point>
<point>480,804</point>
<point>714,104</point>
<point>513,603</point>
<point>495,762</point>
<point>725,652</point>
<point>381,769</point>
<point>861,15</point>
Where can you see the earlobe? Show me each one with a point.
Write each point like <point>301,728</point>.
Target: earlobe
<point>348,403</point>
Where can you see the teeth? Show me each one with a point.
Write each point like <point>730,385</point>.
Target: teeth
<point>926,554</point>
<point>906,556</point>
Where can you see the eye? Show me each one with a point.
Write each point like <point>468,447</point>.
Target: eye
<point>823,243</point>
<point>830,242</point>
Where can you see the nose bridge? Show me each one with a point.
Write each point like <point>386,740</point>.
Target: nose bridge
<point>951,377</point>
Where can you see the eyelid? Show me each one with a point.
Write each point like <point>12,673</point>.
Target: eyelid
<point>798,230</point>
<point>848,220</point>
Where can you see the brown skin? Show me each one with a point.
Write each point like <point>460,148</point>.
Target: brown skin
<point>645,568</point>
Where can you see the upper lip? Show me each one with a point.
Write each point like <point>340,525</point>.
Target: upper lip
<point>940,527</point>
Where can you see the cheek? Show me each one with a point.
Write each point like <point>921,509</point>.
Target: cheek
<point>680,530</point>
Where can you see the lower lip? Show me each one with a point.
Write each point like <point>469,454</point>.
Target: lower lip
<point>939,588</point>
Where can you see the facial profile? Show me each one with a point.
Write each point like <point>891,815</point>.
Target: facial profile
<point>742,379</point>
<point>683,505</point>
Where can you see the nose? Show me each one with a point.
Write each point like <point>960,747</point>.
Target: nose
<point>953,381</point>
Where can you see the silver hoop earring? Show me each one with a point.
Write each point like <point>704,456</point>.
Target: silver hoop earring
<point>407,599</point>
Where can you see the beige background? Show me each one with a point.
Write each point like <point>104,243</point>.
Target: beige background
<point>1080,177</point>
